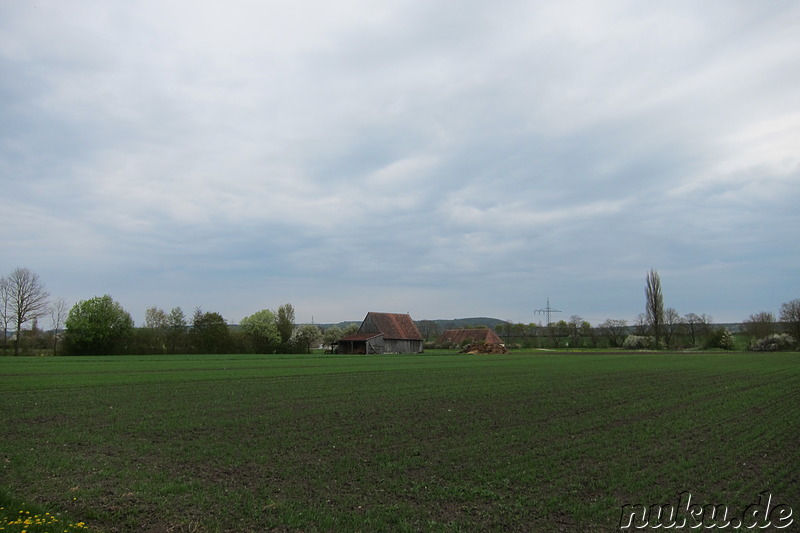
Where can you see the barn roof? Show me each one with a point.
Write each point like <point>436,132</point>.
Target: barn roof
<point>395,325</point>
<point>457,336</point>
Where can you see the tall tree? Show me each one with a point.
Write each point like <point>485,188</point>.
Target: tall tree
<point>672,322</point>
<point>155,330</point>
<point>58,314</point>
<point>654,304</point>
<point>5,309</point>
<point>98,326</point>
<point>28,298</point>
<point>285,322</point>
<point>574,329</point>
<point>176,322</point>
<point>790,316</point>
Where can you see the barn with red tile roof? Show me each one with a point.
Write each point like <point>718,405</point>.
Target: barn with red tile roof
<point>383,333</point>
<point>459,336</point>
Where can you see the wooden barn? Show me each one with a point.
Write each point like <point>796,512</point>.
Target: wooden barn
<point>459,336</point>
<point>383,333</point>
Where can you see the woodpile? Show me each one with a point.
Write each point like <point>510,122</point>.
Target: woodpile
<point>483,348</point>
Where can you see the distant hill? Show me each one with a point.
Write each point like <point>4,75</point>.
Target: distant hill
<point>441,323</point>
<point>462,323</point>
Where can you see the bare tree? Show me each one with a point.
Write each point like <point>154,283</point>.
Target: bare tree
<point>654,304</point>
<point>574,328</point>
<point>5,309</point>
<point>759,325</point>
<point>428,328</point>
<point>697,326</point>
<point>640,326</point>
<point>58,314</point>
<point>672,322</point>
<point>790,316</point>
<point>615,330</point>
<point>28,298</point>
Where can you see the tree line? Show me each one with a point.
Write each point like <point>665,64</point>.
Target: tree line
<point>101,325</point>
<point>660,327</point>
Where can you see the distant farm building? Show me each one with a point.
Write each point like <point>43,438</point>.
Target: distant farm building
<point>469,336</point>
<point>383,333</point>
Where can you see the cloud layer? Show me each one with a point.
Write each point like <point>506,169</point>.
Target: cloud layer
<point>443,158</point>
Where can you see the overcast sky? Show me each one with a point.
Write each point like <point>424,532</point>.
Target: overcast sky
<point>443,158</point>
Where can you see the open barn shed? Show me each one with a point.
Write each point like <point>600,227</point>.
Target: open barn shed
<point>383,333</point>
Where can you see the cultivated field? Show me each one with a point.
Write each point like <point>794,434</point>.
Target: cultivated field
<point>532,441</point>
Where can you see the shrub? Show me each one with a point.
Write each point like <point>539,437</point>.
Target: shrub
<point>637,342</point>
<point>721,338</point>
<point>773,343</point>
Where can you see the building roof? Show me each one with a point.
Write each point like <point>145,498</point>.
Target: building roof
<point>394,325</point>
<point>457,336</point>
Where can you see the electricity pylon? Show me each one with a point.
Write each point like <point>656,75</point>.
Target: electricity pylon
<point>546,311</point>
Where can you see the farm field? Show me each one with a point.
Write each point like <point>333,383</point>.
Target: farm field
<point>528,441</point>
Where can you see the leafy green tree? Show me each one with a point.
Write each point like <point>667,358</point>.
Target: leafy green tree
<point>557,330</point>
<point>154,334</point>
<point>285,322</point>
<point>98,326</point>
<point>176,329</point>
<point>210,332</point>
<point>588,332</point>
<point>261,330</point>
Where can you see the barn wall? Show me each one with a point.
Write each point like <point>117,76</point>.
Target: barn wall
<point>368,326</point>
<point>376,345</point>
<point>403,346</point>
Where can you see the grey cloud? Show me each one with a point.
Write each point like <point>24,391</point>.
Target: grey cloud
<point>417,147</point>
